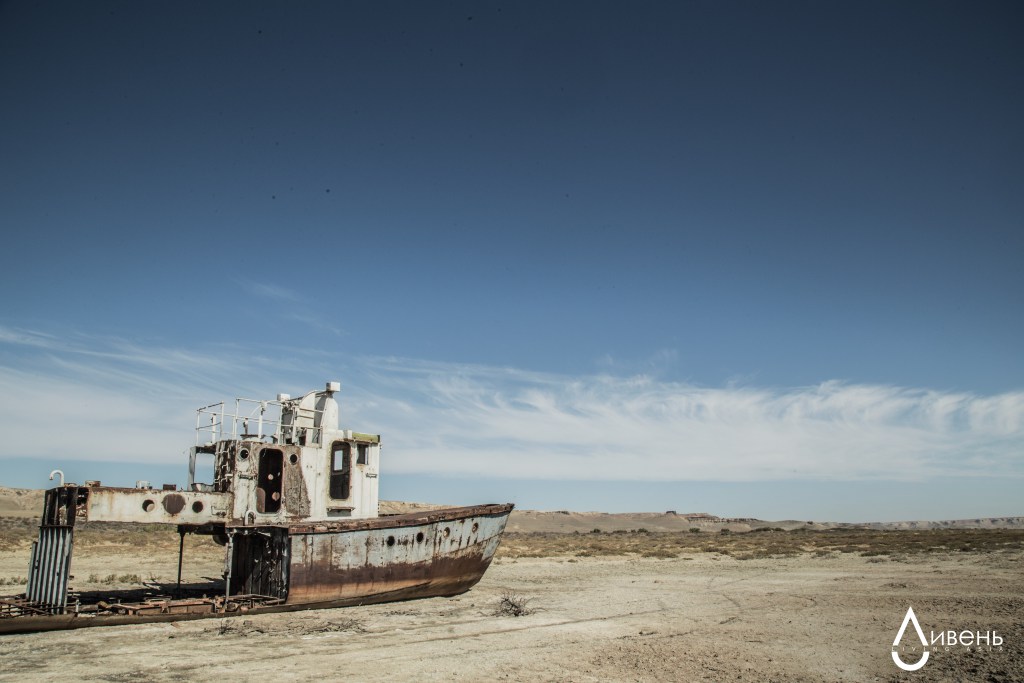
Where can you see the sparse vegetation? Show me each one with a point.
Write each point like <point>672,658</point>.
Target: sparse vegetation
<point>111,579</point>
<point>512,605</point>
<point>898,546</point>
<point>17,534</point>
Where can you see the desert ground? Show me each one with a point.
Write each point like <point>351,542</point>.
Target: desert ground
<point>613,604</point>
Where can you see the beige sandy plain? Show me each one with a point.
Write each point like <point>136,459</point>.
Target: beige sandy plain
<point>701,616</point>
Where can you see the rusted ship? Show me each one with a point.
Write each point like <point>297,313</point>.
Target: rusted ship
<point>294,501</point>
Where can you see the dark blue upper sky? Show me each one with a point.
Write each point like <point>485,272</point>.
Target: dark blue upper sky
<point>753,198</point>
<point>787,191</point>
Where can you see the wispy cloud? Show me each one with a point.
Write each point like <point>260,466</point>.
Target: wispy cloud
<point>107,398</point>
<point>21,337</point>
<point>268,290</point>
<point>290,305</point>
<point>317,322</point>
<point>504,422</point>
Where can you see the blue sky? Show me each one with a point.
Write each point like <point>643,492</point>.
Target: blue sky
<point>753,258</point>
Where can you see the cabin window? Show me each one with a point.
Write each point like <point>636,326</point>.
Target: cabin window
<point>341,470</point>
<point>268,487</point>
<point>362,453</point>
<point>202,474</point>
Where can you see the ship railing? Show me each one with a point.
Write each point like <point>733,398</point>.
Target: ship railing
<point>250,419</point>
<point>302,426</point>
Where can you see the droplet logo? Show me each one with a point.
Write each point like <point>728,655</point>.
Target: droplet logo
<point>911,618</point>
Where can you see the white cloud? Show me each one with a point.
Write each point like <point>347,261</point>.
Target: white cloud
<point>55,419</point>
<point>495,422</point>
<point>17,336</point>
<point>92,398</point>
<point>111,399</point>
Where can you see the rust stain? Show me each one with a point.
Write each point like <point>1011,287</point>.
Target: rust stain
<point>408,519</point>
<point>326,567</point>
<point>296,497</point>
<point>174,503</point>
<point>319,581</point>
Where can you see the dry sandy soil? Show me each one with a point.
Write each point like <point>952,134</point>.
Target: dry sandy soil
<point>701,615</point>
<point>674,606</point>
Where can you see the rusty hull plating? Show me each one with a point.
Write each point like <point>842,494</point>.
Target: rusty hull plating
<point>295,508</point>
<point>441,553</point>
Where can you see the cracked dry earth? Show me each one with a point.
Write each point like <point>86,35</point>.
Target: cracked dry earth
<point>703,617</point>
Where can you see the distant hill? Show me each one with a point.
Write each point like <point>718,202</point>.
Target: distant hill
<point>29,503</point>
<point>20,502</point>
<point>567,522</point>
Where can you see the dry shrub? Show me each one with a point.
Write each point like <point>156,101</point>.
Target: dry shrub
<point>302,627</point>
<point>231,627</point>
<point>513,605</point>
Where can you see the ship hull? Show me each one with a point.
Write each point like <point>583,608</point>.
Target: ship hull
<point>315,566</point>
<point>420,555</point>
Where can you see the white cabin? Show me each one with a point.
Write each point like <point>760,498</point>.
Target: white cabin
<point>267,463</point>
<point>306,469</point>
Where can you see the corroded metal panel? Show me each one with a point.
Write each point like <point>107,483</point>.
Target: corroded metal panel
<point>415,556</point>
<point>108,504</point>
<point>48,569</point>
<point>259,563</point>
<point>296,499</point>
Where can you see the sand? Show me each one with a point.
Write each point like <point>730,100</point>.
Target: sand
<point>698,617</point>
<point>811,603</point>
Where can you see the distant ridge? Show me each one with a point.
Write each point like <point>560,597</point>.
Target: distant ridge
<point>563,521</point>
<point>29,503</point>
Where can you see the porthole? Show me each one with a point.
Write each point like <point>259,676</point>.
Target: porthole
<point>293,458</point>
<point>197,506</point>
<point>419,537</point>
<point>391,541</point>
<point>148,505</point>
<point>475,527</point>
<point>243,454</point>
<point>447,532</point>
